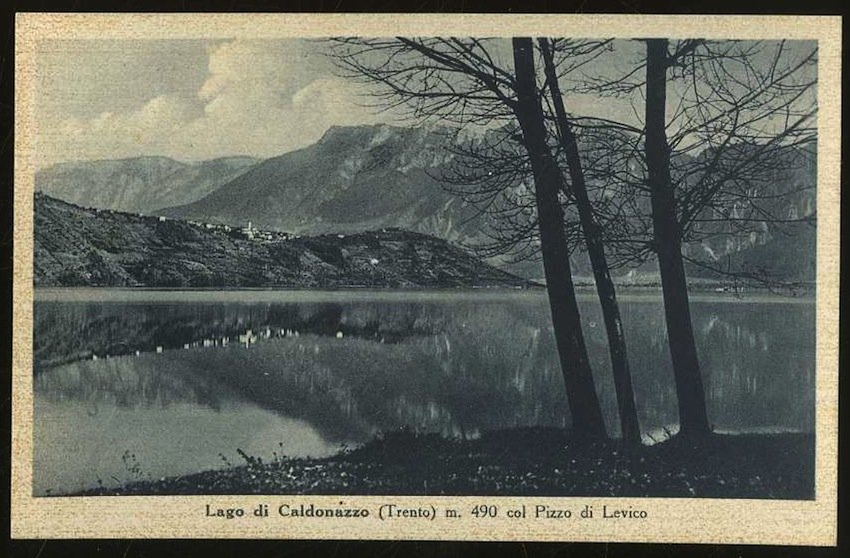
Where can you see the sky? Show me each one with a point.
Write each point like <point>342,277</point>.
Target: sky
<point>199,99</point>
<point>187,99</point>
<point>194,100</point>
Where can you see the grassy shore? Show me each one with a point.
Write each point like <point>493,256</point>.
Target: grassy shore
<point>528,461</point>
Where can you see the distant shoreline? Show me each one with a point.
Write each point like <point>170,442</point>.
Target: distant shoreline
<point>351,294</point>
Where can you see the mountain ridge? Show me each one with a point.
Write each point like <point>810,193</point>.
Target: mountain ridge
<point>357,178</point>
<point>353,178</point>
<point>138,184</point>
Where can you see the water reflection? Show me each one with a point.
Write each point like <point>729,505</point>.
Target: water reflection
<point>331,373</point>
<point>103,330</point>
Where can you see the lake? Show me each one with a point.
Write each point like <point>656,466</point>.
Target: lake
<point>134,385</point>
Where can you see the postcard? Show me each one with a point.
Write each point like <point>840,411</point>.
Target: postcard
<point>432,277</point>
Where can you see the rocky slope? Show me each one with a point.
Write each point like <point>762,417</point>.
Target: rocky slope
<point>774,231</point>
<point>86,247</point>
<point>138,185</point>
<point>354,179</point>
<point>788,257</point>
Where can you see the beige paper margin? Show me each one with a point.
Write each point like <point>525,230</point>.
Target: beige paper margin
<point>670,520</point>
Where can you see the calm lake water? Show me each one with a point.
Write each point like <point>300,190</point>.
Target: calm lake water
<point>136,385</point>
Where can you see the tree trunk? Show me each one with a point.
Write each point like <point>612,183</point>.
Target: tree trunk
<point>593,239</point>
<point>575,365</point>
<point>693,418</point>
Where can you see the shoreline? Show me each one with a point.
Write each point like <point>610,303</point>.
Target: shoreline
<point>533,461</point>
<point>261,294</point>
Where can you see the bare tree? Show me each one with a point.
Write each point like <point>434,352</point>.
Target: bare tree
<point>593,237</point>
<point>751,151</point>
<point>556,258</point>
<point>721,122</point>
<point>741,138</point>
<point>693,417</point>
<point>462,81</point>
<point>492,173</point>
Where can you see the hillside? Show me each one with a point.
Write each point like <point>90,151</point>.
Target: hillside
<point>86,247</point>
<point>353,179</point>
<point>140,184</point>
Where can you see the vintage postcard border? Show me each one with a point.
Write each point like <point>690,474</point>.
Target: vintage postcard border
<point>669,520</point>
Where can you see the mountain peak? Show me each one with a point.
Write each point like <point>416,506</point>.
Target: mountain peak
<point>360,132</point>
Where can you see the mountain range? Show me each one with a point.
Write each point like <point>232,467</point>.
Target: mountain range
<point>140,184</point>
<point>353,179</point>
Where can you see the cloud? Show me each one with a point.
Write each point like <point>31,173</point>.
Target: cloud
<point>116,135</point>
<point>260,98</point>
<point>238,66</point>
<point>334,101</point>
